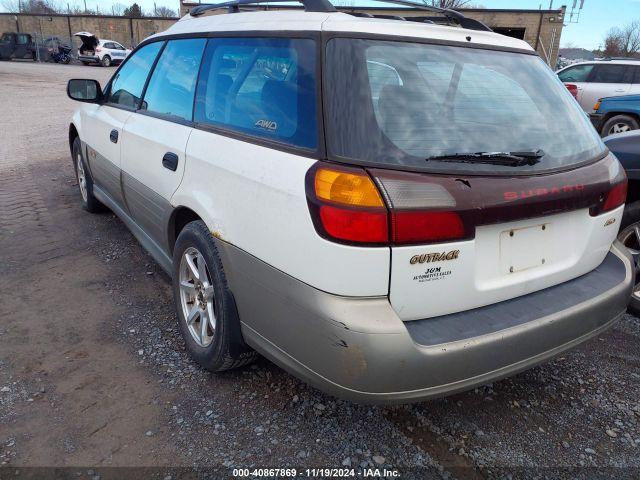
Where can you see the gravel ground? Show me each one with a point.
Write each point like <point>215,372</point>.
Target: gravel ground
<point>94,375</point>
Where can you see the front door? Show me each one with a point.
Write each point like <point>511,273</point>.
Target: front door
<point>103,133</point>
<point>104,124</point>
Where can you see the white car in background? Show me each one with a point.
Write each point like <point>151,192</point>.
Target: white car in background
<point>101,51</point>
<point>591,81</point>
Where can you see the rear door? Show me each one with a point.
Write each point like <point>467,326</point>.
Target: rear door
<point>155,137</point>
<point>102,126</point>
<point>577,75</point>
<point>22,46</point>
<point>606,80</point>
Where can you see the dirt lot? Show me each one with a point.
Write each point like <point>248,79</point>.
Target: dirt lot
<point>93,374</point>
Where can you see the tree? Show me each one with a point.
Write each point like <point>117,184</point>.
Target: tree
<point>623,42</point>
<point>453,4</point>
<point>165,12</point>
<point>118,9</point>
<point>133,11</point>
<point>46,7</point>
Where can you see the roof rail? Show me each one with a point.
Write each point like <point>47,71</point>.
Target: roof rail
<point>452,15</point>
<point>234,6</point>
<point>326,6</point>
<point>631,59</point>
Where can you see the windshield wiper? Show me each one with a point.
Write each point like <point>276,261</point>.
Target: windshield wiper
<point>508,159</point>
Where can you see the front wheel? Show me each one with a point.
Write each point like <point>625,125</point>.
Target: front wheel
<point>85,184</point>
<point>619,124</point>
<point>106,61</point>
<point>207,315</point>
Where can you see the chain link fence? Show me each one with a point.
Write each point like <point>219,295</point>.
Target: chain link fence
<point>38,47</point>
<point>53,48</point>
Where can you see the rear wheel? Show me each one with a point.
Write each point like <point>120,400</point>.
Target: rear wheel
<point>206,308</point>
<point>630,238</point>
<point>619,124</point>
<point>106,61</point>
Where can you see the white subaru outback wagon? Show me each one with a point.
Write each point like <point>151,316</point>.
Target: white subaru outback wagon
<point>382,207</point>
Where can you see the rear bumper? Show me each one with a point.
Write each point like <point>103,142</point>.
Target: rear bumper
<point>358,348</point>
<point>89,58</point>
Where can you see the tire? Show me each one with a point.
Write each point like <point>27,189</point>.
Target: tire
<point>619,124</point>
<point>66,60</point>
<point>106,61</point>
<point>630,238</point>
<point>85,184</point>
<point>631,214</point>
<point>215,349</point>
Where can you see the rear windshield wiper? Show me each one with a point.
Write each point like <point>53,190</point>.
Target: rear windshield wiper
<point>508,159</point>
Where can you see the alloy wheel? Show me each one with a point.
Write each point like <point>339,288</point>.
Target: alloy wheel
<point>619,128</point>
<point>82,178</point>
<point>197,297</point>
<point>630,238</point>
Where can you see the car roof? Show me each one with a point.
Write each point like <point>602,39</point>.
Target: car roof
<point>614,61</point>
<point>299,20</point>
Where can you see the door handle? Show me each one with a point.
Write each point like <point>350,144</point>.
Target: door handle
<point>170,161</point>
<point>113,136</point>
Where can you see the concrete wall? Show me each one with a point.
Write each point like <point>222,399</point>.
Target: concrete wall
<point>128,31</point>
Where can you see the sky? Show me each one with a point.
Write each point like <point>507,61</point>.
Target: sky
<point>597,17</point>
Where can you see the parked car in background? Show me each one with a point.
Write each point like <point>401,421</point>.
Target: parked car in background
<point>613,115</point>
<point>589,81</point>
<point>626,147</point>
<point>407,224</point>
<point>17,45</point>
<point>99,50</point>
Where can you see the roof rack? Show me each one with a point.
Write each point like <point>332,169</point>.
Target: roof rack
<point>326,6</point>
<point>631,59</point>
<point>234,6</point>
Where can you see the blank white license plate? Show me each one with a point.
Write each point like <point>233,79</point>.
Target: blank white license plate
<point>525,248</point>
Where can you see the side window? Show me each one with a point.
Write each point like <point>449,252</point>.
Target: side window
<point>117,46</point>
<point>579,73</point>
<point>612,74</point>
<point>264,87</point>
<point>22,39</point>
<point>173,82</point>
<point>110,46</point>
<point>128,83</point>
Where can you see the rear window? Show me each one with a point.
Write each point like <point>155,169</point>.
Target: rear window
<point>263,87</point>
<point>396,103</point>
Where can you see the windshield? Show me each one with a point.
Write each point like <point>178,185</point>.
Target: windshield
<point>400,103</point>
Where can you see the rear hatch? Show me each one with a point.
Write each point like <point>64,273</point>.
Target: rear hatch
<point>494,184</point>
<point>89,43</point>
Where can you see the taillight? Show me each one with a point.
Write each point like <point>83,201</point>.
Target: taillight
<point>573,89</point>
<point>616,195</point>
<point>98,49</point>
<point>423,210</point>
<point>347,206</point>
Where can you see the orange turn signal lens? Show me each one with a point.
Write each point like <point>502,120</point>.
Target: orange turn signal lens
<point>596,107</point>
<point>346,188</point>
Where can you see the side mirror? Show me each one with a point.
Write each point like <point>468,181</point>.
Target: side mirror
<point>88,91</point>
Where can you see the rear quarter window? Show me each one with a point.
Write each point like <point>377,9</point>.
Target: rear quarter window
<point>263,87</point>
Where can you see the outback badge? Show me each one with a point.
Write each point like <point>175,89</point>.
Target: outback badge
<point>435,257</point>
